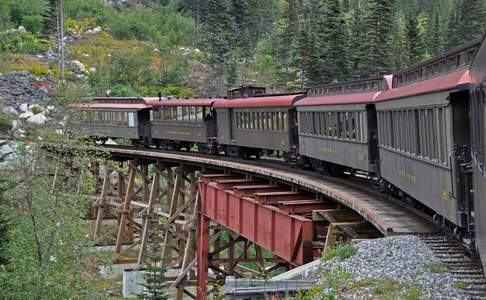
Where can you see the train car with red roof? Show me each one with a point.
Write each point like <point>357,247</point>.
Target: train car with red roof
<point>251,126</point>
<point>184,123</point>
<point>424,137</point>
<point>338,129</point>
<point>114,117</point>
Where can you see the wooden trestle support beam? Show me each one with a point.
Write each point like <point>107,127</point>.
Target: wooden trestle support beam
<point>241,226</point>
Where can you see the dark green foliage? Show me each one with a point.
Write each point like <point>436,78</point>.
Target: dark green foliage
<point>4,14</point>
<point>5,221</point>
<point>335,44</point>
<point>155,286</point>
<point>376,48</point>
<point>467,21</point>
<point>29,13</point>
<point>22,42</point>
<point>416,37</point>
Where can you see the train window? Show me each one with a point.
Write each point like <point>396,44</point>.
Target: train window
<point>131,119</point>
<point>178,113</point>
<point>192,114</point>
<point>442,135</point>
<point>432,133</point>
<point>199,114</point>
<point>258,124</point>
<point>284,121</point>
<point>252,120</point>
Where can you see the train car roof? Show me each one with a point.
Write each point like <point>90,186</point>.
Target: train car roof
<point>360,91</point>
<point>442,82</point>
<point>185,102</point>
<point>262,101</point>
<point>350,98</point>
<point>133,103</point>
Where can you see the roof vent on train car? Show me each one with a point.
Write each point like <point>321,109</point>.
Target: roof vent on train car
<point>246,91</point>
<point>451,60</point>
<point>377,83</point>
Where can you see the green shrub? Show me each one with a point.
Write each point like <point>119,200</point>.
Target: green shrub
<point>329,255</point>
<point>177,91</point>
<point>22,43</point>
<point>122,90</point>
<point>345,251</point>
<point>4,122</point>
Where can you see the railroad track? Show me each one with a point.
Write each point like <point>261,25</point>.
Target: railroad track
<point>465,271</point>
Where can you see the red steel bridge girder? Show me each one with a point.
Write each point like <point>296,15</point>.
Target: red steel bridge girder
<point>287,236</point>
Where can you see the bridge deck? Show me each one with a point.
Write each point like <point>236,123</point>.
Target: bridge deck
<point>386,215</point>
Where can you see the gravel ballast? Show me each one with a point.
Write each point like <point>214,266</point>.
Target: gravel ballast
<point>403,259</point>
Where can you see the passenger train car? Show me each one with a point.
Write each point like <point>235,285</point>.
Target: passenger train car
<point>478,140</point>
<point>409,134</point>
<point>337,126</point>
<point>422,125</point>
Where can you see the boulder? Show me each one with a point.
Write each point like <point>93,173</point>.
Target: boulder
<point>10,110</point>
<point>77,67</point>
<point>24,107</point>
<point>39,119</point>
<point>26,115</point>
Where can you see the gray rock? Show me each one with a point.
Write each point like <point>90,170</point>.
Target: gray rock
<point>10,110</point>
<point>77,67</point>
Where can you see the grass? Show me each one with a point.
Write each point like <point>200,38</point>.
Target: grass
<point>459,285</point>
<point>438,267</point>
<point>343,252</point>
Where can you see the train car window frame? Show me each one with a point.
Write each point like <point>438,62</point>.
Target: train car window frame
<point>131,119</point>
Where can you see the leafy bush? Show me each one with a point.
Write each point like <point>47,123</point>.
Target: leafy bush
<point>329,255</point>
<point>179,92</point>
<point>345,251</point>
<point>123,90</point>
<point>29,13</point>
<point>4,122</point>
<point>22,42</point>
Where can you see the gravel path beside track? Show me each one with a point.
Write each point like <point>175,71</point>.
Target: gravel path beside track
<point>433,264</point>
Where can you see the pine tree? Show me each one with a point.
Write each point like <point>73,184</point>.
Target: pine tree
<point>416,37</point>
<point>435,33</point>
<point>467,21</point>
<point>219,33</point>
<point>287,49</point>
<point>378,21</point>
<point>400,51</point>
<point>358,35</point>
<point>155,286</point>
<point>334,54</point>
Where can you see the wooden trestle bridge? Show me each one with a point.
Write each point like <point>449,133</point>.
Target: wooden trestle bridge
<point>250,211</point>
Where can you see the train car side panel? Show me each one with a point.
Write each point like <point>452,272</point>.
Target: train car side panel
<point>336,134</point>
<point>416,143</point>
<point>106,123</point>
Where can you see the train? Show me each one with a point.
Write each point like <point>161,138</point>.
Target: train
<point>418,134</point>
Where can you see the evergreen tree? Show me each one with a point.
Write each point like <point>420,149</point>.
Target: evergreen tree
<point>378,21</point>
<point>400,51</point>
<point>435,35</point>
<point>287,49</point>
<point>219,33</point>
<point>155,286</point>
<point>416,37</point>
<point>358,36</point>
<point>334,57</point>
<point>467,21</point>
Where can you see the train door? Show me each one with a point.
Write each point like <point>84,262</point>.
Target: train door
<point>373,150</point>
<point>461,158</point>
<point>144,125</point>
<point>231,118</point>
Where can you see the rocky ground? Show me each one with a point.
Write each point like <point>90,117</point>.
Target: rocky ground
<point>401,267</point>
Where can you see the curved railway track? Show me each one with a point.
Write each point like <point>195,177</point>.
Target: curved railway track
<point>389,215</point>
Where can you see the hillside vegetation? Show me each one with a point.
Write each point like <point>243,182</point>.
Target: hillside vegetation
<point>199,48</point>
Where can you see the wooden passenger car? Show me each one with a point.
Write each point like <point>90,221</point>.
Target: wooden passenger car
<point>421,120</point>
<point>114,117</point>
<point>337,126</point>
<point>178,124</point>
<point>478,151</point>
<point>256,125</point>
